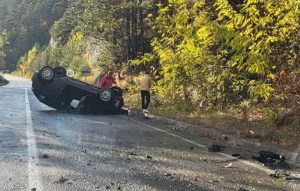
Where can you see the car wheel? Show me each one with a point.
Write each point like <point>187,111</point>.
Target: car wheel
<point>106,94</point>
<point>60,71</point>
<point>46,74</point>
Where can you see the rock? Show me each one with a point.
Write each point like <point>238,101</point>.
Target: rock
<point>119,188</point>
<point>107,187</point>
<point>191,148</point>
<point>228,165</point>
<point>33,189</point>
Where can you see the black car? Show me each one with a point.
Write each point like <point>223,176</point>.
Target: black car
<point>54,88</point>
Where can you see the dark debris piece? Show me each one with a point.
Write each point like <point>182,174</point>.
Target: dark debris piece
<point>148,157</point>
<point>132,154</point>
<point>61,180</point>
<point>216,148</point>
<point>271,160</point>
<point>242,189</point>
<point>281,174</point>
<point>45,156</point>
<point>236,155</point>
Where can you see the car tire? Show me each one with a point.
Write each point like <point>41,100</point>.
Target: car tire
<point>106,94</point>
<point>46,74</point>
<point>60,71</point>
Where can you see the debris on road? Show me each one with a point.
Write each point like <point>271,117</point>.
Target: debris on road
<point>242,189</point>
<point>132,154</point>
<point>272,160</point>
<point>228,165</point>
<point>236,155</point>
<point>45,156</point>
<point>216,148</point>
<point>148,157</point>
<point>61,180</point>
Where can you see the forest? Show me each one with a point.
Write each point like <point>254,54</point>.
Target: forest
<point>241,56</point>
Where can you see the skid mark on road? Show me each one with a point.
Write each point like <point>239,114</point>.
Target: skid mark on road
<point>33,161</point>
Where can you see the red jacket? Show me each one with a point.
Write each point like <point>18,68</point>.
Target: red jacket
<point>107,81</point>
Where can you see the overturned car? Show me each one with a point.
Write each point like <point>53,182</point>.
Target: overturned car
<point>54,88</point>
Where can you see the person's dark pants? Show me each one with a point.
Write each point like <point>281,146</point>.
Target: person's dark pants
<point>145,95</point>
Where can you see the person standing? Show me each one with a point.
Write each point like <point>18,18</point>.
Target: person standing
<point>145,85</point>
<point>108,80</point>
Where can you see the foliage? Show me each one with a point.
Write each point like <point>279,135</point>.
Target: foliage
<point>203,54</point>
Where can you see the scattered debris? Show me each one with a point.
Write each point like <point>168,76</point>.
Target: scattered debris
<point>168,174</point>
<point>280,174</point>
<point>216,148</point>
<point>132,154</point>
<point>45,156</point>
<point>229,165</point>
<point>61,180</point>
<point>148,157</point>
<point>242,189</point>
<point>271,159</point>
<point>236,155</point>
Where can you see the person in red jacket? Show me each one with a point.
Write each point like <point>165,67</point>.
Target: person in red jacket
<point>107,81</point>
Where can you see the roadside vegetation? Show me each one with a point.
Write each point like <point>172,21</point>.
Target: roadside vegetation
<point>228,64</point>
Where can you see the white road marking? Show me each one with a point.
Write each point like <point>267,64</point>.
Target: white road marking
<point>33,160</point>
<point>203,146</point>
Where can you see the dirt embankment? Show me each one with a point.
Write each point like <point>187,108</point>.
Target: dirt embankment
<point>3,81</point>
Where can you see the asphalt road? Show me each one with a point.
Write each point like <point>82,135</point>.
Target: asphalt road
<point>44,149</point>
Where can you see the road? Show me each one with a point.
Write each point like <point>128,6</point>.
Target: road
<point>44,149</point>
